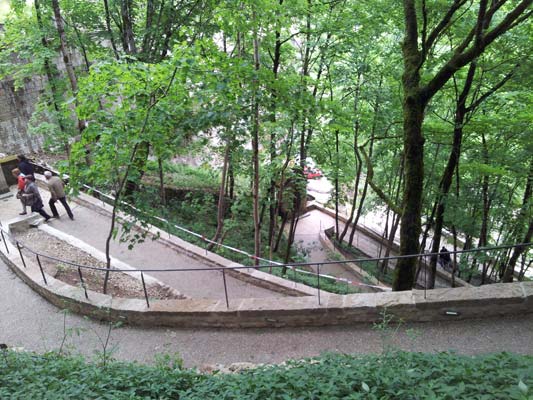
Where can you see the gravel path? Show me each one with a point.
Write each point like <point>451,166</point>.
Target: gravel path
<point>28,321</point>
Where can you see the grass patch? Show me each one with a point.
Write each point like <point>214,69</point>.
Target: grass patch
<point>326,284</point>
<point>183,176</point>
<point>395,375</point>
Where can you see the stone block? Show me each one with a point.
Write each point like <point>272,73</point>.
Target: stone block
<point>23,223</point>
<point>497,294</point>
<point>194,307</point>
<point>478,302</point>
<point>527,288</point>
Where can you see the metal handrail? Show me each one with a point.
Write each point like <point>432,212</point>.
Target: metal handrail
<point>277,264</point>
<point>292,266</point>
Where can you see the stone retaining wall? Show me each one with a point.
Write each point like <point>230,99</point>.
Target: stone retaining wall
<point>439,304</point>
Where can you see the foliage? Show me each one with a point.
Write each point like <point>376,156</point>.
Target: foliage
<point>182,176</point>
<point>51,376</point>
<point>326,80</point>
<point>395,375</point>
<point>327,284</point>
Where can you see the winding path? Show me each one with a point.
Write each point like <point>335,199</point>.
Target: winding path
<point>28,321</point>
<point>92,228</point>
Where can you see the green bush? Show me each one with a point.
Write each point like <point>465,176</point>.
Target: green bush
<point>186,176</point>
<point>396,375</point>
<point>51,376</point>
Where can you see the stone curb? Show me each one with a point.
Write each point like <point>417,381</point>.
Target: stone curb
<point>353,267</point>
<point>374,236</point>
<point>438,304</point>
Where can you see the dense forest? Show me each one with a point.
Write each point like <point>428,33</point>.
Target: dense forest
<point>421,108</point>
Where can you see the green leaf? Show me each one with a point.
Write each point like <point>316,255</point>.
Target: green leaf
<point>523,387</point>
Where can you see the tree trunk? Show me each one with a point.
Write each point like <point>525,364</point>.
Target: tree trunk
<point>370,152</point>
<point>66,55</point>
<point>162,195</point>
<point>357,156</point>
<point>116,204</point>
<point>524,211</point>
<point>410,226</point>
<point>51,76</point>
<point>395,221</point>
<point>221,208</point>
<point>337,185</point>
<point>255,152</point>
<point>109,30</point>
<point>128,39</point>
<point>272,195</point>
<point>447,176</point>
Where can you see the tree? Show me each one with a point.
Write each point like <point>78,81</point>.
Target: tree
<point>491,21</point>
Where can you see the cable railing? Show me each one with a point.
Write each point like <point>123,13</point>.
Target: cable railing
<point>296,267</point>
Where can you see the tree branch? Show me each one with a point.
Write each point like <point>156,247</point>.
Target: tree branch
<point>462,58</point>
<point>369,176</point>
<point>435,33</point>
<point>491,91</point>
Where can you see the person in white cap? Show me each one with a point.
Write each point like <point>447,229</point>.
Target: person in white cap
<point>57,192</point>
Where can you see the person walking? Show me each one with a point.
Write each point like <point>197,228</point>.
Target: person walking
<point>21,183</point>
<point>33,197</point>
<point>24,165</point>
<point>444,258</point>
<point>57,192</point>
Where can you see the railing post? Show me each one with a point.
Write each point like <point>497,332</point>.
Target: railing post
<point>225,287</point>
<point>318,281</point>
<point>41,268</point>
<point>83,283</point>
<point>4,240</point>
<point>145,293</point>
<point>21,256</point>
<point>425,276</point>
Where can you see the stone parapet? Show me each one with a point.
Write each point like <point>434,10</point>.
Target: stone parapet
<point>438,304</point>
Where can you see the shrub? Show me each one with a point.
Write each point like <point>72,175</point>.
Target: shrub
<point>395,375</point>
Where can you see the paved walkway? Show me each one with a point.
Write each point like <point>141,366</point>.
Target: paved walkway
<point>92,228</point>
<point>316,221</point>
<point>28,321</point>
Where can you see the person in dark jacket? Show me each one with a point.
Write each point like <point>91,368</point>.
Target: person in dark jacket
<point>24,165</point>
<point>444,258</point>
<point>33,197</point>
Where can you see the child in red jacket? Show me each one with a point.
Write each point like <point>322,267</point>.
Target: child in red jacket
<point>21,183</point>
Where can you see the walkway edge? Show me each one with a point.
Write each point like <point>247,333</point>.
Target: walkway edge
<point>439,304</point>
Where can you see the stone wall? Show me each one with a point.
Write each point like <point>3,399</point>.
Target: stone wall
<point>16,109</point>
<point>436,305</point>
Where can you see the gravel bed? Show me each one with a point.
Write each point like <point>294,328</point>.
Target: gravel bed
<point>119,283</point>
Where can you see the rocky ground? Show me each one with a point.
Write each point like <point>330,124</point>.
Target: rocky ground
<point>119,285</point>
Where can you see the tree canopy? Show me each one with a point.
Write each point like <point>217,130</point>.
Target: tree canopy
<point>422,112</point>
